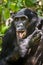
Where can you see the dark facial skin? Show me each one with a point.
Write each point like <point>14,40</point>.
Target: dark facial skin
<point>20,23</point>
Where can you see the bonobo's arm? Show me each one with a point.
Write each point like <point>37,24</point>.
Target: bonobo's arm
<point>36,58</point>
<point>8,39</point>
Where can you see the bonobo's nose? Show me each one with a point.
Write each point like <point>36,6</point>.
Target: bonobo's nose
<point>20,27</point>
<point>21,24</point>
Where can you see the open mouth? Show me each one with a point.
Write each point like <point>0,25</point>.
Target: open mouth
<point>21,34</point>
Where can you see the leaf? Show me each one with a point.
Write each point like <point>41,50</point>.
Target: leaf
<point>13,7</point>
<point>30,3</point>
<point>4,29</point>
<point>0,9</point>
<point>0,40</point>
<point>5,1</point>
<point>6,13</point>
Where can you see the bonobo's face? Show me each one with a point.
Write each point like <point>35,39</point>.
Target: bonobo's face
<point>21,23</point>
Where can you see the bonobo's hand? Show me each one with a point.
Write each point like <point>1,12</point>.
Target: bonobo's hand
<point>35,37</point>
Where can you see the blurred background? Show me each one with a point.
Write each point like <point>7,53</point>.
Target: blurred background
<point>12,6</point>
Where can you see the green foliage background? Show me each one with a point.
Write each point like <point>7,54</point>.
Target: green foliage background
<point>15,5</point>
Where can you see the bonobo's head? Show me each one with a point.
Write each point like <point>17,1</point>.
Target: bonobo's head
<point>25,21</point>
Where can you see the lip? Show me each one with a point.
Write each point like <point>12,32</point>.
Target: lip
<point>21,34</point>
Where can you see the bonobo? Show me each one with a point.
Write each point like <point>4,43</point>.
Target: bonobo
<point>21,41</point>
<point>25,22</point>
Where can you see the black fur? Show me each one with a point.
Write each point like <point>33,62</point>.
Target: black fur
<point>11,47</point>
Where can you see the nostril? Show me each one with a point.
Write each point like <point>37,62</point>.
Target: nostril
<point>18,26</point>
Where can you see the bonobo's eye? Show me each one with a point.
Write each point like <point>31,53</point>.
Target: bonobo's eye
<point>16,19</point>
<point>23,18</point>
